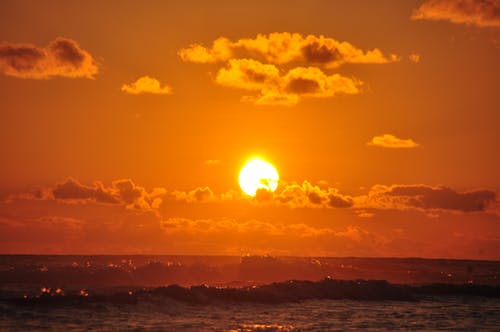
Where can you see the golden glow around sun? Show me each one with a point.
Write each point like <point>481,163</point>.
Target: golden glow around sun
<point>258,174</point>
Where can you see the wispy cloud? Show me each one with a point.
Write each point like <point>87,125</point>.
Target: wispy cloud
<point>392,142</point>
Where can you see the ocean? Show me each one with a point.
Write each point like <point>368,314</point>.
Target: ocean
<point>251,293</point>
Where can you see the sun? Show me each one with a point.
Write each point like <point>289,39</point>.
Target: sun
<point>258,174</point>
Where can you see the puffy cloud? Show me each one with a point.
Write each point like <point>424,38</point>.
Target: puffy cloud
<point>277,89</point>
<point>392,142</point>
<point>220,51</point>
<point>312,81</point>
<point>256,64</point>
<point>424,197</point>
<point>62,57</point>
<point>482,13</point>
<point>292,195</point>
<point>248,74</point>
<point>146,84</point>
<point>198,195</point>
<point>419,197</point>
<point>73,190</point>
<point>312,196</point>
<point>285,47</point>
<point>414,58</point>
<point>123,192</point>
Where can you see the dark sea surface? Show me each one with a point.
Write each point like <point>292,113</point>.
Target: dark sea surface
<point>250,293</point>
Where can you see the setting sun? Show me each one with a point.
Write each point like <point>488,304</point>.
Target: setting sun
<point>258,174</point>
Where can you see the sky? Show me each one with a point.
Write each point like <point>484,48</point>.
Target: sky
<point>124,126</point>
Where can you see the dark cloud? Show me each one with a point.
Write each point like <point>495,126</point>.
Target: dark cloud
<point>62,57</point>
<point>67,51</point>
<point>445,198</point>
<point>320,53</point>
<point>73,190</point>
<point>302,86</point>
<point>425,198</point>
<point>123,192</point>
<point>19,58</point>
<point>482,13</point>
<point>339,201</point>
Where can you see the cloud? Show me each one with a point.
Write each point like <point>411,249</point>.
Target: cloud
<point>481,13</point>
<point>256,227</point>
<point>211,162</point>
<point>392,142</point>
<point>312,196</point>
<point>414,58</point>
<point>146,84</point>
<point>292,195</point>
<point>424,197</point>
<point>283,67</point>
<point>419,197</point>
<point>220,51</point>
<point>285,47</point>
<point>62,57</point>
<point>198,195</point>
<point>276,89</point>
<point>233,236</point>
<point>122,192</point>
<point>248,74</point>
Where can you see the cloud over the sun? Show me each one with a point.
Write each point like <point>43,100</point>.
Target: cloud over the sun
<point>418,197</point>
<point>125,217</point>
<point>481,13</point>
<point>392,142</point>
<point>61,57</point>
<point>146,85</point>
<point>282,67</point>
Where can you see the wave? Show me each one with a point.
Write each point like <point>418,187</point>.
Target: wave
<point>274,293</point>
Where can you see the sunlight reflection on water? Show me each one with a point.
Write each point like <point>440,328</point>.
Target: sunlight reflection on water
<point>444,313</point>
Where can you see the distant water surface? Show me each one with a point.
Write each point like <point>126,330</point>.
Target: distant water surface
<point>28,275</point>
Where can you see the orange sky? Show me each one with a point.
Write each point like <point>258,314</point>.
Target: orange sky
<point>124,124</point>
